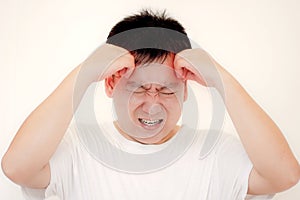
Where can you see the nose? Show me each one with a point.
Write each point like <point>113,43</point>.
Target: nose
<point>151,104</point>
<point>152,108</point>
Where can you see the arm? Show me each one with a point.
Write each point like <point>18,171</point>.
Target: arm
<point>26,161</point>
<point>275,167</point>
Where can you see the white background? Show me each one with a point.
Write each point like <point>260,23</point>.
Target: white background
<point>256,40</point>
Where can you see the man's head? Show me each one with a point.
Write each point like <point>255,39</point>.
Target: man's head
<point>149,36</point>
<point>148,103</point>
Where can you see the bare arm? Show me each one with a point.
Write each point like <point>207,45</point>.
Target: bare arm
<point>26,162</point>
<point>275,167</point>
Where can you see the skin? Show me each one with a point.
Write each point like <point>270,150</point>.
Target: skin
<point>149,96</point>
<point>260,136</point>
<point>46,125</point>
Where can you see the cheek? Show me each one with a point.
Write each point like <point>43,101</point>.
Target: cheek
<point>135,100</point>
<point>122,103</point>
<point>174,103</point>
<point>133,104</point>
<point>174,109</point>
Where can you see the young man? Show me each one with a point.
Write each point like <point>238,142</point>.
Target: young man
<point>146,64</point>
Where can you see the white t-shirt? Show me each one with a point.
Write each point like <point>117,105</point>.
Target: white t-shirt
<point>77,174</point>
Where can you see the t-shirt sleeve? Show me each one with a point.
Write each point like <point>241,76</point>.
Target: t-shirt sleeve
<point>61,172</point>
<point>61,166</point>
<point>33,194</point>
<point>234,167</point>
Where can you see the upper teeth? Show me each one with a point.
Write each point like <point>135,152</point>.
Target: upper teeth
<point>150,122</point>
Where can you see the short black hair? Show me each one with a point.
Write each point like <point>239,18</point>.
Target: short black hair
<point>149,36</point>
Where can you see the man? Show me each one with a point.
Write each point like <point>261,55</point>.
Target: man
<point>146,64</point>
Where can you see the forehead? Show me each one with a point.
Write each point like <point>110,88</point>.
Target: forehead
<point>162,59</point>
<point>155,72</point>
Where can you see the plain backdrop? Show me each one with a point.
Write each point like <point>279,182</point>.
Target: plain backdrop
<point>256,40</point>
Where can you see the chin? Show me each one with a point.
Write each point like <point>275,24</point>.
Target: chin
<point>156,139</point>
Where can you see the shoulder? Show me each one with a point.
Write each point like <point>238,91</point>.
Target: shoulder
<point>218,143</point>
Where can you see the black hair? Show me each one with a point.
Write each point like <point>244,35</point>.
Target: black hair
<point>149,36</point>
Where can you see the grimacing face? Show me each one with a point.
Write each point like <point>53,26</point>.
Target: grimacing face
<point>148,104</point>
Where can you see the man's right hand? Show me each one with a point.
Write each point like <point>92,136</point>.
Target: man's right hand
<point>106,61</point>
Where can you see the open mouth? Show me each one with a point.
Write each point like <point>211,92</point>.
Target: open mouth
<point>150,123</point>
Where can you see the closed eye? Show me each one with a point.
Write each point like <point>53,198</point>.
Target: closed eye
<point>139,90</point>
<point>167,93</point>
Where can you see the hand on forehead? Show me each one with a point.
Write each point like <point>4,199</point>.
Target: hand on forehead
<point>154,76</point>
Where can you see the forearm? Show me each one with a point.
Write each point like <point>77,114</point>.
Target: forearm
<point>40,134</point>
<point>265,145</point>
<point>275,167</point>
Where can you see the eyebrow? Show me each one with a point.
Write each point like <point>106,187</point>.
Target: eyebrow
<point>171,85</point>
<point>133,84</point>
<point>137,85</point>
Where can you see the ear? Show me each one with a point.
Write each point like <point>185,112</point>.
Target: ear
<point>185,95</point>
<point>110,84</point>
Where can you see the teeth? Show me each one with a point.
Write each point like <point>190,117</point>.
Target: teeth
<point>150,122</point>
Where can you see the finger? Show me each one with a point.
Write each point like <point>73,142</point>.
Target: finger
<point>128,72</point>
<point>190,76</point>
<point>179,72</point>
<point>122,72</point>
<point>186,72</point>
